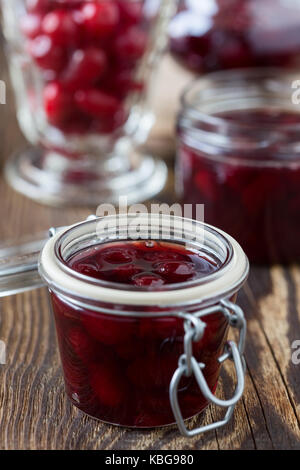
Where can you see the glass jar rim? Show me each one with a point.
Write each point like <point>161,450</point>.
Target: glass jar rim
<point>63,279</point>
<point>201,123</point>
<point>271,74</point>
<point>114,285</point>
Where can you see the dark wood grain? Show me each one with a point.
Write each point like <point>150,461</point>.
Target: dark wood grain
<point>34,411</point>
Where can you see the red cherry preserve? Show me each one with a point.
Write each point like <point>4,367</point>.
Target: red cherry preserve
<point>238,154</point>
<point>211,35</point>
<point>109,362</point>
<point>87,53</point>
<point>123,307</point>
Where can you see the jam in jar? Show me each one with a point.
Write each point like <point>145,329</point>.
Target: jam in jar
<point>212,35</point>
<point>238,154</point>
<point>124,306</point>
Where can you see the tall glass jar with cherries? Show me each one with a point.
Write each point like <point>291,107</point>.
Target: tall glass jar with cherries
<point>211,35</point>
<point>81,71</point>
<point>238,153</point>
<point>143,305</point>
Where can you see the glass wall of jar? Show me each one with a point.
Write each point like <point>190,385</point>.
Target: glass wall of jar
<point>81,72</point>
<point>210,35</point>
<point>142,306</point>
<point>238,153</point>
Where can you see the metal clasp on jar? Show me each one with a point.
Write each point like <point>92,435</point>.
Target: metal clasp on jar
<point>188,365</point>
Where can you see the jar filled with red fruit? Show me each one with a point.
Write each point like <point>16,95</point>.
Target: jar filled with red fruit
<point>81,71</point>
<point>142,306</point>
<point>211,35</point>
<point>238,154</point>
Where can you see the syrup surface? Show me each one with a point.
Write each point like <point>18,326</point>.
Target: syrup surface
<point>145,264</point>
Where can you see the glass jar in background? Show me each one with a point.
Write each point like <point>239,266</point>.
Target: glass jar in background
<point>81,71</point>
<point>212,35</point>
<point>142,322</point>
<point>238,153</point>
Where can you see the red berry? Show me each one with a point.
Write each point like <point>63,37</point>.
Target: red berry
<point>125,273</point>
<point>57,103</point>
<point>118,256</point>
<point>38,6</point>
<point>255,195</point>
<point>76,378</point>
<point>234,54</point>
<point>85,263</point>
<point>86,66</point>
<point>82,345</point>
<point>155,256</point>
<point>109,124</point>
<point>148,280</point>
<point>153,370</point>
<point>123,82</point>
<point>107,384</point>
<point>176,271</point>
<point>127,351</point>
<point>46,54</point>
<point>97,103</point>
<point>214,334</point>
<point>126,83</point>
<point>108,330</point>
<point>131,12</point>
<point>100,19</point>
<point>31,25</point>
<point>160,328</point>
<point>79,124</point>
<point>61,27</point>
<point>88,268</point>
<point>131,44</point>
<point>206,184</point>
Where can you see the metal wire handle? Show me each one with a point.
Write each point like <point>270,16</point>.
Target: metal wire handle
<point>188,365</point>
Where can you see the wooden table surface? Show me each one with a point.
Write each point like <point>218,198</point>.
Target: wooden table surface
<point>34,411</point>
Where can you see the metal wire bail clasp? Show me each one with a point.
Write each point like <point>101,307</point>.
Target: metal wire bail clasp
<point>188,365</point>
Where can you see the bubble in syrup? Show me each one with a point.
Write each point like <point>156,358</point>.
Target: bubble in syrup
<point>149,244</point>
